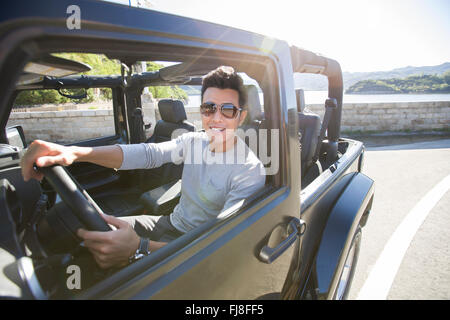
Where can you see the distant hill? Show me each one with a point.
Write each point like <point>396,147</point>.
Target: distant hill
<point>424,83</point>
<point>319,82</point>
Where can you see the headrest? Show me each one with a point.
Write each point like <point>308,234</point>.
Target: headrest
<point>172,110</point>
<point>253,104</point>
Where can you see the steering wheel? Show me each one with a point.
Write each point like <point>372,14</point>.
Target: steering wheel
<point>74,196</point>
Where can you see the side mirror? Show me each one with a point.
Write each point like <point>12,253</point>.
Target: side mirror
<point>16,137</point>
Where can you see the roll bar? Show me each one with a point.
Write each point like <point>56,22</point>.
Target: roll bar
<point>304,61</point>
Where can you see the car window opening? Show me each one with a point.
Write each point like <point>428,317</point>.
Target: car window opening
<point>89,105</point>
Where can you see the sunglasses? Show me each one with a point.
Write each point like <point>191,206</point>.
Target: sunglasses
<point>228,110</point>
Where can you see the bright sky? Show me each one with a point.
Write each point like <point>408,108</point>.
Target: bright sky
<point>362,35</point>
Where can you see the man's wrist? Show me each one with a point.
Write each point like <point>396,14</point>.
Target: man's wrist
<point>80,153</point>
<point>142,250</point>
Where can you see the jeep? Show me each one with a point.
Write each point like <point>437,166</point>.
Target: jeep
<point>298,238</point>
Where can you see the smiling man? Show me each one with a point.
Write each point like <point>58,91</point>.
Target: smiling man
<point>219,171</point>
<point>222,91</point>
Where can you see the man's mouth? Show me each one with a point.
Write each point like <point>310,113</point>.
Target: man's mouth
<point>217,129</point>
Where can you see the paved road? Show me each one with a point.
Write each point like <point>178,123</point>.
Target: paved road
<point>410,188</point>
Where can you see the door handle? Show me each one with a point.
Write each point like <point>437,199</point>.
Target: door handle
<point>281,238</point>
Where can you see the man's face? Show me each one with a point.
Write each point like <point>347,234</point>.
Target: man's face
<point>219,128</point>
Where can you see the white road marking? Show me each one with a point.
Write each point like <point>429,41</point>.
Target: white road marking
<point>382,276</point>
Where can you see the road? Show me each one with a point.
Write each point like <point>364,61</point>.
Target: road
<point>405,249</point>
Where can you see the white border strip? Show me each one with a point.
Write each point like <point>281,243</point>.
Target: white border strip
<point>382,276</point>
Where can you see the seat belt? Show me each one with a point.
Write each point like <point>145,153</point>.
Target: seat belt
<point>330,105</point>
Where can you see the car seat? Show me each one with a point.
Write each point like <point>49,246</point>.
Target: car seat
<point>173,117</point>
<point>163,184</point>
<point>254,119</point>
<point>309,129</point>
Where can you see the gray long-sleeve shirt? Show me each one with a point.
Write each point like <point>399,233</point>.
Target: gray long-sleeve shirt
<point>211,182</point>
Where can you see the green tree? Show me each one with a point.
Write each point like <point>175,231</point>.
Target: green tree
<point>446,77</point>
<point>100,64</point>
<point>49,96</point>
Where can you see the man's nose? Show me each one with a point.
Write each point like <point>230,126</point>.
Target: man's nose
<point>217,116</point>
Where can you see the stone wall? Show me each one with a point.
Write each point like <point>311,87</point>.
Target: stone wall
<point>75,125</point>
<point>64,126</point>
<point>408,116</point>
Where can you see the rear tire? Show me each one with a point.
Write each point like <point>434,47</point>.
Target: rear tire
<point>346,277</point>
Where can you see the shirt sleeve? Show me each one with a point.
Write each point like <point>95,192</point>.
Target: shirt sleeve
<point>152,155</point>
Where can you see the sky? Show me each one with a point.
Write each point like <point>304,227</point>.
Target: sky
<point>362,35</point>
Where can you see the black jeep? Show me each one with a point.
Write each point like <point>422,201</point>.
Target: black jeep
<point>298,238</point>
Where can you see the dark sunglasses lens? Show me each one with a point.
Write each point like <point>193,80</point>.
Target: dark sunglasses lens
<point>207,109</point>
<point>229,110</point>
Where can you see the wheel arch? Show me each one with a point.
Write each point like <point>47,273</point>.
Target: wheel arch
<point>350,211</point>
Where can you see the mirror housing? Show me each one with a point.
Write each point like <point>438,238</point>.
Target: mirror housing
<point>16,137</point>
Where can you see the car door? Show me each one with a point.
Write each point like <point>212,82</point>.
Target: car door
<point>219,260</point>
<point>94,178</point>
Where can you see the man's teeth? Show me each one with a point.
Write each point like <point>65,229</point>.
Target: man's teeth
<point>218,129</point>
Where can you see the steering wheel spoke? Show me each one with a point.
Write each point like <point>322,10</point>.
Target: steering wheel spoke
<point>75,197</point>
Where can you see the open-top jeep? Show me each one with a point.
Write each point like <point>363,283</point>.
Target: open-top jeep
<point>298,238</point>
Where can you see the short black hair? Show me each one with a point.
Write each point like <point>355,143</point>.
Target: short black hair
<point>225,77</point>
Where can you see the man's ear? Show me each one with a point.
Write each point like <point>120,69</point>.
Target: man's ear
<point>242,116</point>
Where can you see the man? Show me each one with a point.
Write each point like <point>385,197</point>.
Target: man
<point>219,172</point>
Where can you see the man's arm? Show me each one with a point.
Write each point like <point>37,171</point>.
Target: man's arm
<point>106,156</point>
<point>45,154</point>
<point>123,157</point>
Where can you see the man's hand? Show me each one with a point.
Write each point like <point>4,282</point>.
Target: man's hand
<point>44,154</point>
<point>112,248</point>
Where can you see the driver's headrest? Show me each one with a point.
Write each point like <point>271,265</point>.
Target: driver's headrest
<point>253,104</point>
<point>172,110</point>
